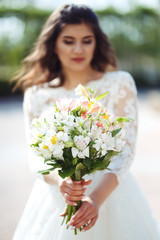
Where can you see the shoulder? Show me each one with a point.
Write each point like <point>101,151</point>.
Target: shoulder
<point>40,90</point>
<point>120,76</point>
<point>122,79</point>
<point>35,99</point>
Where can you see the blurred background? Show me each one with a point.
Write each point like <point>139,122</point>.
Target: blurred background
<point>133,28</point>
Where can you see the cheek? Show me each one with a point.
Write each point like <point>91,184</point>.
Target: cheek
<point>90,50</point>
<point>62,52</point>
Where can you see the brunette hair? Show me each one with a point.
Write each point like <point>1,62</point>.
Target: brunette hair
<point>42,64</point>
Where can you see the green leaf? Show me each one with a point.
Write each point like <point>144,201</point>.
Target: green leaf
<point>59,161</point>
<point>66,172</point>
<point>91,91</point>
<point>107,158</point>
<point>54,165</point>
<point>39,124</point>
<point>92,151</point>
<point>98,164</point>
<point>115,132</point>
<point>74,161</point>
<point>123,119</point>
<point>101,96</point>
<point>47,160</point>
<point>60,128</point>
<point>45,121</point>
<point>47,171</point>
<point>87,162</point>
<point>69,144</point>
<point>83,124</point>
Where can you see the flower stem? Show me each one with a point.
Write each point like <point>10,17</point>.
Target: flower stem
<point>69,212</point>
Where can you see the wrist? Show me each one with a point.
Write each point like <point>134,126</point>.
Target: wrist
<point>95,200</point>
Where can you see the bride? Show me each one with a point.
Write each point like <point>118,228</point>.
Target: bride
<point>72,49</point>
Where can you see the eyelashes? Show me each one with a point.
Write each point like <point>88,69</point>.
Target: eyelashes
<point>71,42</point>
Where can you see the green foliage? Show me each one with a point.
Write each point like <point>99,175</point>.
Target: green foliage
<point>87,162</point>
<point>135,36</point>
<point>115,132</point>
<point>77,112</point>
<point>46,172</point>
<point>101,96</point>
<point>66,172</point>
<point>122,119</point>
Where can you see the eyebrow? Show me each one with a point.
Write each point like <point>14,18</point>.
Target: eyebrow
<point>88,36</point>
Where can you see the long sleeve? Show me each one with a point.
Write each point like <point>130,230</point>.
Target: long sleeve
<point>124,103</point>
<point>121,101</point>
<point>31,110</point>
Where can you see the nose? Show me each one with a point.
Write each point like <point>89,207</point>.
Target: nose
<point>78,48</point>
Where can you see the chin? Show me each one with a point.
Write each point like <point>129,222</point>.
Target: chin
<point>79,67</point>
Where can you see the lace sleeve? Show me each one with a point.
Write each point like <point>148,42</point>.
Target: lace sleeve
<point>35,162</point>
<point>125,105</point>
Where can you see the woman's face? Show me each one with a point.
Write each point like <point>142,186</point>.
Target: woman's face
<point>75,47</point>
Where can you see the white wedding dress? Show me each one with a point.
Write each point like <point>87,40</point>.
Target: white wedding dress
<point>125,215</point>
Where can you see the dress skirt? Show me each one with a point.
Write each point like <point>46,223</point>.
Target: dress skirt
<point>125,215</point>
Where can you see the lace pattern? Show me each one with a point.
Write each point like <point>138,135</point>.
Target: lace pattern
<point>121,101</point>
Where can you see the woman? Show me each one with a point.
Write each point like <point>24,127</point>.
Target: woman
<point>72,49</point>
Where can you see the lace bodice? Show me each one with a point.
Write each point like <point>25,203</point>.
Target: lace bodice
<point>121,101</point>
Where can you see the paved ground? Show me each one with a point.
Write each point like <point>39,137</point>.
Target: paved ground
<point>16,180</point>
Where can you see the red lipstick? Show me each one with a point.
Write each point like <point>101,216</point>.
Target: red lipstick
<point>77,59</point>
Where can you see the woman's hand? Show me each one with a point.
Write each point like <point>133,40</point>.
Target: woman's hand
<point>86,215</point>
<point>72,191</point>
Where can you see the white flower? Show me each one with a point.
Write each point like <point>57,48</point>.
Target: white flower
<point>95,132</point>
<point>108,140</point>
<point>98,143</point>
<point>44,149</point>
<point>62,136</point>
<point>100,146</point>
<point>81,142</point>
<point>104,143</point>
<point>81,154</point>
<point>82,91</point>
<point>58,151</point>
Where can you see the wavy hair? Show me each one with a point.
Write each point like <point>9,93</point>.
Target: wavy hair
<point>42,64</point>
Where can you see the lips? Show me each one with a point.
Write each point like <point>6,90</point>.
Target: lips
<point>77,59</point>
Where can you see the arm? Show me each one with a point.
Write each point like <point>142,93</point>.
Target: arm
<point>125,105</point>
<point>32,107</point>
<point>106,186</point>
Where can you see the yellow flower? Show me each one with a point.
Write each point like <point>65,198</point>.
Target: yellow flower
<point>45,147</point>
<point>90,105</point>
<point>54,139</point>
<point>106,116</point>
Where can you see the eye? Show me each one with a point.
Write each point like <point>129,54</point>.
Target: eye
<point>87,41</point>
<point>68,42</point>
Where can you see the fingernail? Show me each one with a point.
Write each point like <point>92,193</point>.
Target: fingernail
<point>72,228</point>
<point>74,204</point>
<point>70,222</point>
<point>77,181</point>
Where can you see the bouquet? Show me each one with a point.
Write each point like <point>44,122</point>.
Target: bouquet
<point>78,136</point>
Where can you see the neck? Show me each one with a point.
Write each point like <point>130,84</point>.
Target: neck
<point>72,79</point>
